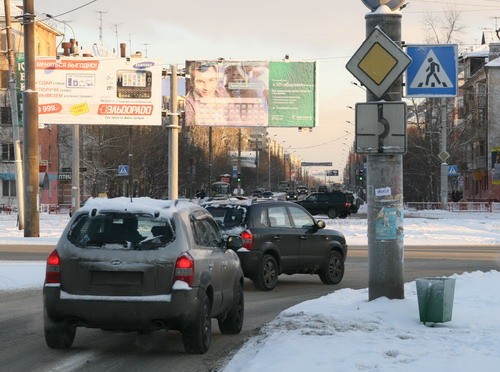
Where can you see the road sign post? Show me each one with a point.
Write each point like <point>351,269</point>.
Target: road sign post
<point>384,168</point>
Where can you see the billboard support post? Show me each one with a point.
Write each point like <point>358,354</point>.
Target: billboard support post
<point>75,172</point>
<point>173,139</point>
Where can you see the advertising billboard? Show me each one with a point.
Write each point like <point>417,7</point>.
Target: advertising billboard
<point>115,91</point>
<point>246,159</point>
<point>250,93</point>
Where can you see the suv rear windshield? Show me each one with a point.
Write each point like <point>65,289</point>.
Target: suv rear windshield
<point>121,230</point>
<point>227,216</point>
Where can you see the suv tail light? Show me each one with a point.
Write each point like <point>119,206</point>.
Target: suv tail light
<point>53,268</point>
<point>184,269</point>
<point>247,237</point>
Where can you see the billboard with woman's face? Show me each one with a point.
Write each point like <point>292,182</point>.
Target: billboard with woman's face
<point>250,93</point>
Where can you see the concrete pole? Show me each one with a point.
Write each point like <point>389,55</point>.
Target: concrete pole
<point>210,157</point>
<point>239,159</point>
<point>269,164</point>
<point>75,170</point>
<point>173,139</point>
<point>30,120</point>
<point>444,165</point>
<point>385,213</point>
<point>15,117</point>
<point>130,163</point>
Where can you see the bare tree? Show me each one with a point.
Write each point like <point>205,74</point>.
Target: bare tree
<point>444,29</point>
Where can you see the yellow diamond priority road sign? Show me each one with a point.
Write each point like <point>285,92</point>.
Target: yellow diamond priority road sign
<point>378,62</point>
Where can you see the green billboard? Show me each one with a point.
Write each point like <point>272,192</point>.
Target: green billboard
<point>292,94</point>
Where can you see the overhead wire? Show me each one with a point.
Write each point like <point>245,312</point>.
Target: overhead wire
<point>69,11</point>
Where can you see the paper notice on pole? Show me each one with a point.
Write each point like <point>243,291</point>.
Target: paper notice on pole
<point>384,191</point>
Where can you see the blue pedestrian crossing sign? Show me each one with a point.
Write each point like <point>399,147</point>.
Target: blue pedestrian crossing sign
<point>433,71</point>
<point>452,170</point>
<point>122,170</point>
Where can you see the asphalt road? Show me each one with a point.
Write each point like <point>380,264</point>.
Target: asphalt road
<point>22,344</point>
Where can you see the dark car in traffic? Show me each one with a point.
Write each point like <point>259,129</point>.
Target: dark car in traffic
<point>267,194</point>
<point>281,237</point>
<point>142,265</point>
<point>333,204</point>
<point>302,190</point>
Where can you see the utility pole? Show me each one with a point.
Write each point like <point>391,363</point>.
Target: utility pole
<point>75,169</point>
<point>30,120</point>
<point>444,156</point>
<point>385,256</point>
<point>173,138</point>
<point>210,156</point>
<point>239,160</point>
<point>15,116</point>
<point>384,115</point>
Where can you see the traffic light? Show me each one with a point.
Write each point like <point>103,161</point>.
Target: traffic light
<point>238,178</point>
<point>360,174</point>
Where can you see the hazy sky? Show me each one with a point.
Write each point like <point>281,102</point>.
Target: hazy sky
<point>326,31</point>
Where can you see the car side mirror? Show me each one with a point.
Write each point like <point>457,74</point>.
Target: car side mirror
<point>320,224</point>
<point>234,242</point>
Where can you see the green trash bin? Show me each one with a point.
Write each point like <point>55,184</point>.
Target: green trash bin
<point>435,299</point>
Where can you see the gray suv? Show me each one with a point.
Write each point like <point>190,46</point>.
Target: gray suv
<point>281,237</point>
<point>142,265</point>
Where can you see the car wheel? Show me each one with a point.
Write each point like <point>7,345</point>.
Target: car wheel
<point>332,213</point>
<point>197,336</point>
<point>267,274</point>
<point>333,272</point>
<point>232,322</point>
<point>58,335</point>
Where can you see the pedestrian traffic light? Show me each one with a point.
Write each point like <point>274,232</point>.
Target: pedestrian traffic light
<point>239,177</point>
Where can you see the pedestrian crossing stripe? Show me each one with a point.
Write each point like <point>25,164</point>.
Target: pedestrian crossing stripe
<point>433,71</point>
<point>431,74</point>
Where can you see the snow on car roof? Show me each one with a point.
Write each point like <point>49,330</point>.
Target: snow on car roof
<point>142,204</point>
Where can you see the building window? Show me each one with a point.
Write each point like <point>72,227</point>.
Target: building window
<point>8,188</point>
<point>481,95</point>
<point>5,115</point>
<point>482,148</point>
<point>8,152</point>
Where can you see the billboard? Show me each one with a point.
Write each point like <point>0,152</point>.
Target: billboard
<point>117,91</point>
<point>247,159</point>
<point>251,93</point>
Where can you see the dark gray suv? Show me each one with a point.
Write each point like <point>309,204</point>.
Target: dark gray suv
<point>333,204</point>
<point>143,265</point>
<point>281,238</point>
